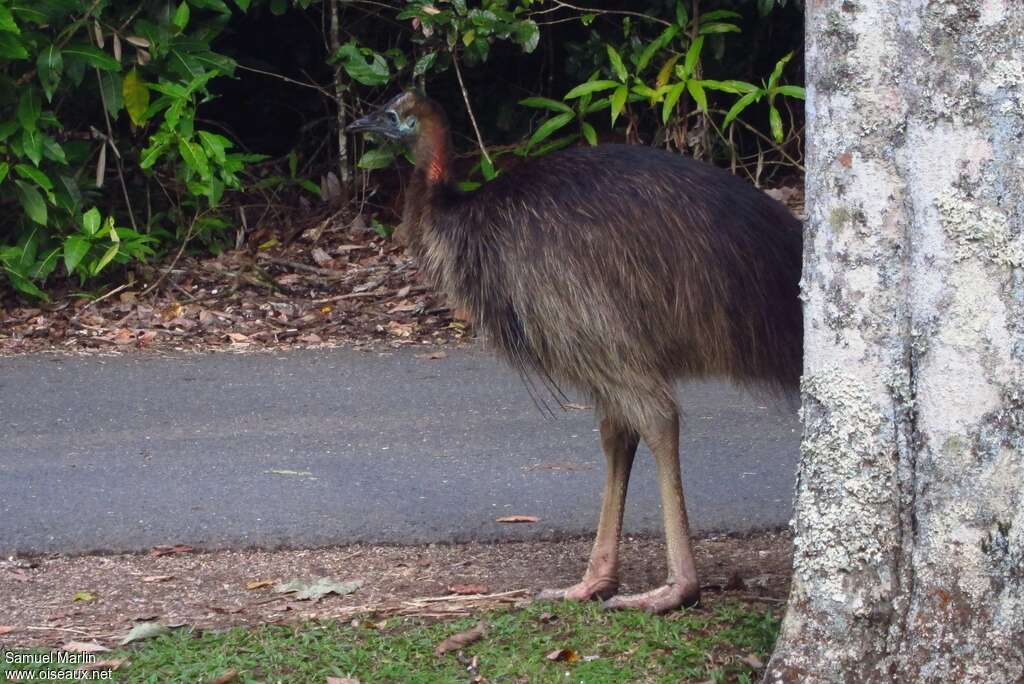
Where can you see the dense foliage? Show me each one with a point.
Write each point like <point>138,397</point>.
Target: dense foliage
<point>128,128</point>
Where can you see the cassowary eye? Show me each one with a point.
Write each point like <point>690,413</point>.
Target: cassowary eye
<point>393,115</point>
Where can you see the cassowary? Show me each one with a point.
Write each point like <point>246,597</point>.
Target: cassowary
<point>616,270</point>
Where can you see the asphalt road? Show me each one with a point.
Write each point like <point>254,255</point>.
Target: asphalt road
<point>312,448</point>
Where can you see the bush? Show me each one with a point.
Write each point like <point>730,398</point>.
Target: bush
<point>106,158</point>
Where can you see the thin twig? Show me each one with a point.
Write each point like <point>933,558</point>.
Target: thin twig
<point>469,109</point>
<point>313,86</point>
<point>100,299</point>
<point>591,10</point>
<point>117,155</point>
<point>181,250</point>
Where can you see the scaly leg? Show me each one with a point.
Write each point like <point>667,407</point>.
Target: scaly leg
<point>602,577</point>
<point>682,587</point>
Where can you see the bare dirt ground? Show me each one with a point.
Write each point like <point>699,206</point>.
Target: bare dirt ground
<point>50,601</point>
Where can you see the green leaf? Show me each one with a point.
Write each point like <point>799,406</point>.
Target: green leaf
<point>11,47</point>
<point>32,202</point>
<point>92,56</point>
<point>527,34</point>
<point>719,14</point>
<point>75,249</point>
<point>181,16</point>
<point>545,103</point>
<point>589,87</point>
<point>35,175</point>
<point>739,106</point>
<point>550,126</point>
<point>49,67</point>
<point>589,133</point>
<point>151,154</point>
<point>29,108</point>
<point>487,168</point>
<point>243,4</point>
<point>217,146</point>
<point>646,91</point>
<point>7,23</point>
<point>791,91</point>
<point>698,95</point>
<point>4,170</point>
<point>682,17</point>
<point>618,102</point>
<point>91,221</point>
<point>655,45</point>
<point>777,71</point>
<point>278,7</point>
<point>718,27</point>
<point>106,258</point>
<point>111,89</point>
<point>617,65</point>
<point>692,57</point>
<point>32,145</point>
<point>764,7</point>
<point>374,72</point>
<point>376,158</point>
<point>136,97</point>
<point>424,63</point>
<point>775,119</point>
<point>671,98</point>
<point>194,156</point>
<point>735,87</point>
<point>24,285</point>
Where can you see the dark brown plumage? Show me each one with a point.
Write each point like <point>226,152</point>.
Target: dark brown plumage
<point>616,270</point>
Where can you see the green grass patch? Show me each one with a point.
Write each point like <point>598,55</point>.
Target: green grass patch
<point>611,646</point>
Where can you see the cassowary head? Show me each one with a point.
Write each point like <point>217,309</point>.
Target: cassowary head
<point>415,120</point>
<point>398,120</point>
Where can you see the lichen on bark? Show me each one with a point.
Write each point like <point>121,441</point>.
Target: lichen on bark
<point>909,549</point>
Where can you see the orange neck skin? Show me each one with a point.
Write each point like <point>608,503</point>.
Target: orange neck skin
<point>432,153</point>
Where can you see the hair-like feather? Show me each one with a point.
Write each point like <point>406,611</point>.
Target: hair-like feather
<point>614,269</point>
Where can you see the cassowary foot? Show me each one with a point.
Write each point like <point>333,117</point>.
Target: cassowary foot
<point>586,590</point>
<point>660,600</point>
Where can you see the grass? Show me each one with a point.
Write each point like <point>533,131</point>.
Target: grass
<point>612,647</point>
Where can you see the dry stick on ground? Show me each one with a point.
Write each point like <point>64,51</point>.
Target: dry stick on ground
<point>181,250</point>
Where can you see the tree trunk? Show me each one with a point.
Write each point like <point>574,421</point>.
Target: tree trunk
<point>909,522</point>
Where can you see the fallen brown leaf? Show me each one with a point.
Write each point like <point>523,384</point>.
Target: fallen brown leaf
<point>566,655</point>
<point>518,519</point>
<point>84,647</point>
<point>98,665</point>
<point>468,589</point>
<point>158,578</point>
<point>311,338</point>
<point>322,258</point>
<point>237,338</point>
<point>342,680</point>
<point>457,641</point>
<point>259,584</point>
<point>432,355</point>
<point>7,629</point>
<point>229,676</point>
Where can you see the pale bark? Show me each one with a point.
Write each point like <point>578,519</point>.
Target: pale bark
<point>909,522</point>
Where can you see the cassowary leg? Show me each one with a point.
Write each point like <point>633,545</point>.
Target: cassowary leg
<point>682,587</point>
<point>602,577</point>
